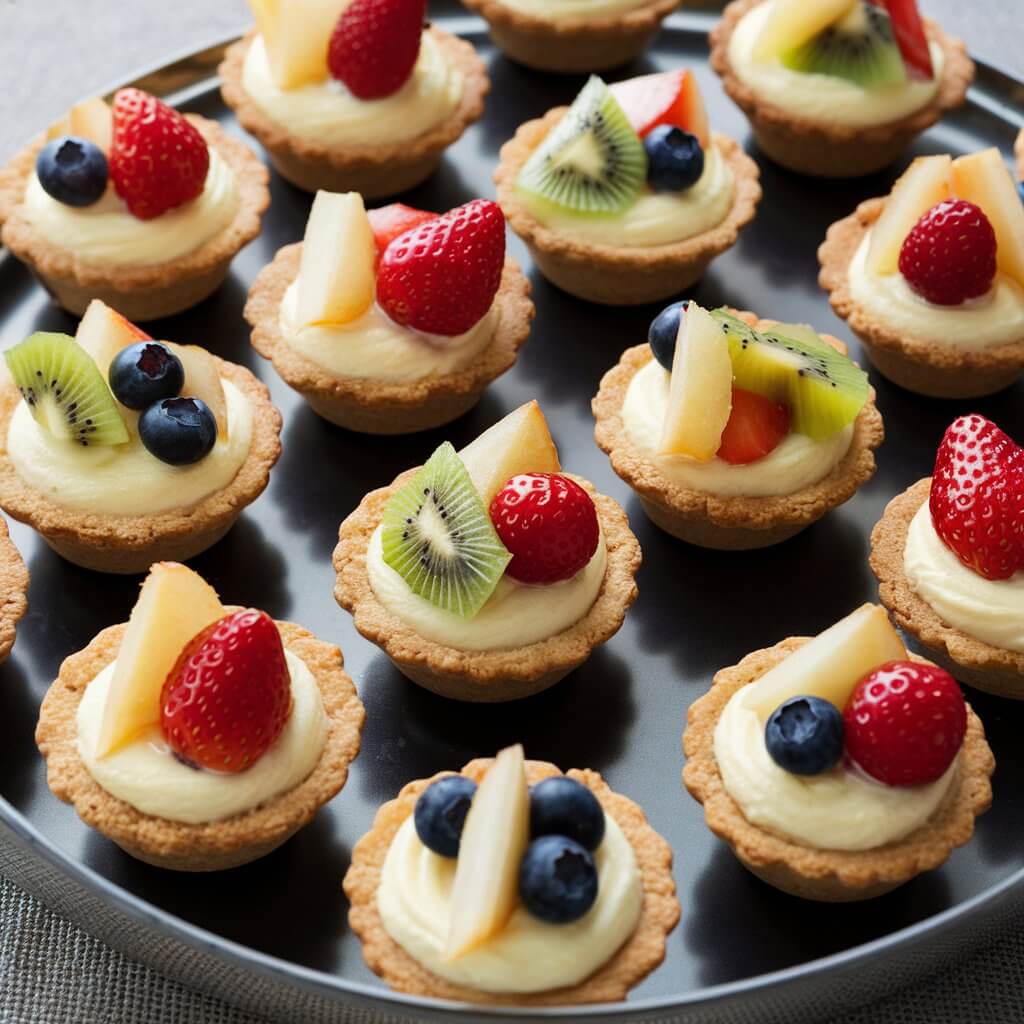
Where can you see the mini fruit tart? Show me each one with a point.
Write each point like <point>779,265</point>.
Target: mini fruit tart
<point>735,432</point>
<point>488,575</point>
<point>196,736</point>
<point>353,96</point>
<point>837,88</point>
<point>949,557</point>
<point>511,883</point>
<point>839,767</point>
<point>122,451</point>
<point>395,321</point>
<point>626,196</point>
<point>931,277</point>
<point>139,206</point>
<point>13,590</point>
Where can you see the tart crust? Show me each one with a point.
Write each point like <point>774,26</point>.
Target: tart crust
<point>827,875</point>
<point>612,275</point>
<point>642,952</point>
<point>215,845</point>
<point>378,406</point>
<point>484,676</point>
<point>825,149</point>
<point>918,364</point>
<point>374,170</point>
<point>130,544</point>
<point>137,292</point>
<point>13,590</point>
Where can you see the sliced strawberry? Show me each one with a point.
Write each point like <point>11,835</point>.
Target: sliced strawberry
<point>670,97</point>
<point>388,222</point>
<point>755,428</point>
<point>908,29</point>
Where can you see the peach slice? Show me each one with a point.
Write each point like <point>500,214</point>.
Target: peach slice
<point>792,22</point>
<point>103,332</point>
<point>91,119</point>
<point>296,34</point>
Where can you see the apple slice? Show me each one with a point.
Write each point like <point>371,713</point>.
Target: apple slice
<point>296,34</point>
<point>908,29</point>
<point>103,332</point>
<point>669,97</point>
<point>202,381</point>
<point>91,119</point>
<point>497,831</point>
<point>173,606</point>
<point>792,22</point>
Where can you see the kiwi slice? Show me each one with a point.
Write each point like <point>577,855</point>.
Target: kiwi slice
<point>65,390</point>
<point>791,363</point>
<point>592,162</point>
<point>438,537</point>
<point>860,47</point>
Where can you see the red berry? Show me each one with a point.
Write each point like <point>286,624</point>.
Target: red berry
<point>374,46</point>
<point>158,159</point>
<point>668,97</point>
<point>950,254</point>
<point>905,722</point>
<point>910,35</point>
<point>977,497</point>
<point>229,695</point>
<point>441,277</point>
<point>549,525</point>
<point>755,427</point>
<point>388,222</point>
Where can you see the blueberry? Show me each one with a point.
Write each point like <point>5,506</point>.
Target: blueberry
<point>145,372</point>
<point>441,812</point>
<point>557,879</point>
<point>804,735</point>
<point>72,170</point>
<point>561,806</point>
<point>675,160</point>
<point>663,332</point>
<point>179,431</point>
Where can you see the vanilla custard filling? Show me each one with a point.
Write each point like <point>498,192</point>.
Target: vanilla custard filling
<point>996,318</point>
<point>825,98</point>
<point>147,775</point>
<point>328,114</point>
<point>561,10</point>
<point>125,480</point>
<point>527,955</point>
<point>106,234</point>
<point>796,462</point>
<point>841,809</point>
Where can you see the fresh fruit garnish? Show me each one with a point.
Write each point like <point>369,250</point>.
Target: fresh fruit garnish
<point>591,162</point>
<point>103,332</point>
<point>905,723</point>
<point>202,381</point>
<point>158,160</point>
<point>374,45</point>
<point>64,391</point>
<point>557,880</point>
<point>560,806</point>
<point>296,34</point>
<point>494,839</point>
<point>145,372</point>
<point>441,277</point>
<point>388,222</point>
<point>977,497</point>
<point>664,331</point>
<point>675,160</point>
<point>669,97</point>
<point>228,696</point>
<point>91,119</point>
<point>910,37</point>
<point>73,171</point>
<point>549,525</point>
<point>178,431</point>
<point>804,735</point>
<point>755,428</point>
<point>438,537</point>
<point>793,22</point>
<point>440,813</point>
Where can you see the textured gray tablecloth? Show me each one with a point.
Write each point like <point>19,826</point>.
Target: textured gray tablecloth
<point>52,52</point>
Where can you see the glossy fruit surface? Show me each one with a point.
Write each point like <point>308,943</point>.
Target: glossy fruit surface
<point>440,813</point>
<point>668,97</point>
<point>908,29</point>
<point>560,806</point>
<point>388,222</point>
<point>178,431</point>
<point>675,160</point>
<point>557,880</point>
<point>756,427</point>
<point>664,331</point>
<point>804,735</point>
<point>145,372</point>
<point>72,170</point>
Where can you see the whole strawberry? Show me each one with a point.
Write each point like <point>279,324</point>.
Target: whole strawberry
<point>229,695</point>
<point>441,276</point>
<point>977,497</point>
<point>374,46</point>
<point>950,254</point>
<point>904,723</point>
<point>549,525</point>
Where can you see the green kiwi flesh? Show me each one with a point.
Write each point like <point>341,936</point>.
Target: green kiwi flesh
<point>65,390</point>
<point>438,537</point>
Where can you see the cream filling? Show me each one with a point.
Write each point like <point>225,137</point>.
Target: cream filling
<point>527,955</point>
<point>106,234</point>
<point>125,480</point>
<point>996,318</point>
<point>148,776</point>
<point>841,809</point>
<point>818,97</point>
<point>797,462</point>
<point>515,615</point>
<point>328,114</point>
<point>561,10</point>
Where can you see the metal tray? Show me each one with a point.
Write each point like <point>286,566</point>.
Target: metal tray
<point>273,936</point>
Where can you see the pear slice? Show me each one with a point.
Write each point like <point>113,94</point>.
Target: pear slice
<point>103,332</point>
<point>91,119</point>
<point>296,34</point>
<point>792,22</point>
<point>202,381</point>
<point>494,840</point>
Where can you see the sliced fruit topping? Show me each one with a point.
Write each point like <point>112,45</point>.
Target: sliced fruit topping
<point>557,880</point>
<point>296,34</point>
<point>793,22</point>
<point>440,813</point>
<point>669,97</point>
<point>560,806</point>
<point>591,162</point>
<point>756,427</point>
<point>72,170</point>
<point>664,331</point>
<point>905,723</point>
<point>103,332</point>
<point>64,390</point>
<point>548,523</point>
<point>145,372</point>
<point>438,537</point>
<point>228,696</point>
<point>91,119</point>
<point>388,222</point>
<point>202,381</point>
<point>497,831</point>
<point>910,36</point>
<point>178,431</point>
<point>441,277</point>
<point>675,160</point>
<point>804,735</point>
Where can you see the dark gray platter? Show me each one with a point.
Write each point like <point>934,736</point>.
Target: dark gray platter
<point>273,936</point>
